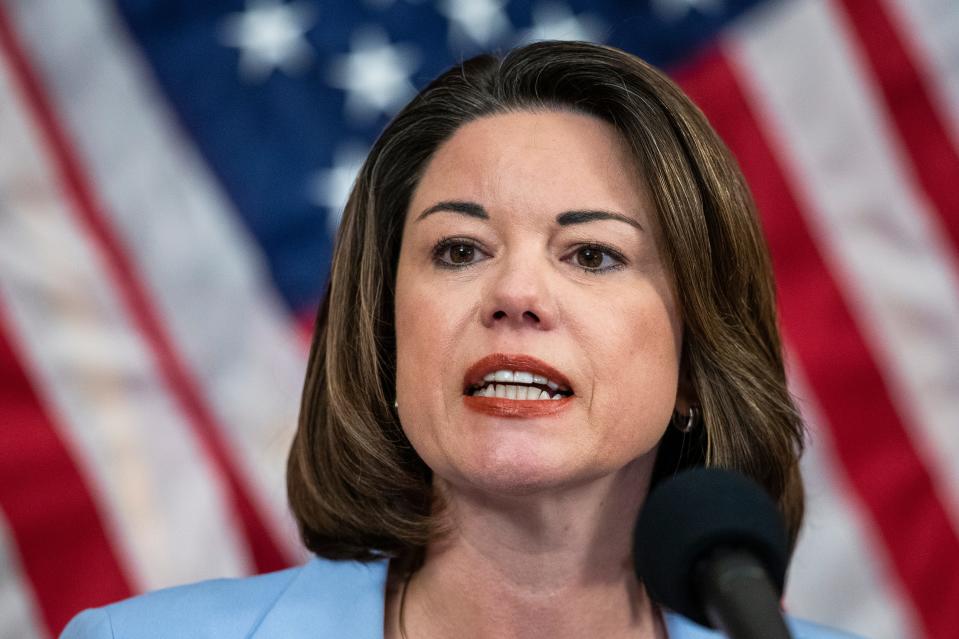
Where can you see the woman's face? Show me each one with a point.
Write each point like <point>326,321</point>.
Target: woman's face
<point>530,246</point>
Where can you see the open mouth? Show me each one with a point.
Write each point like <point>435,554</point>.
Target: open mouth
<point>515,377</point>
<point>523,385</point>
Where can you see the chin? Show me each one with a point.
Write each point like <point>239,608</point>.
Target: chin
<point>523,473</point>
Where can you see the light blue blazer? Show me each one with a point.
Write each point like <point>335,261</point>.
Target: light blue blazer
<point>320,599</point>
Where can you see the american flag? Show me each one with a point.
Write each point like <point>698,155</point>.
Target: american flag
<point>171,176</point>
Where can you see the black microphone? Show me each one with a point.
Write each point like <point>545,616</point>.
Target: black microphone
<point>711,545</point>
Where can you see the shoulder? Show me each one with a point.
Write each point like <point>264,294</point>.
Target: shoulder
<point>225,604</point>
<point>284,603</point>
<point>682,628</point>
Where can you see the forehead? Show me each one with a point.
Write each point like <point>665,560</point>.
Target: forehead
<point>536,161</point>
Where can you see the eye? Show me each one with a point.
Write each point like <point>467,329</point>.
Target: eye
<point>595,258</point>
<point>456,253</point>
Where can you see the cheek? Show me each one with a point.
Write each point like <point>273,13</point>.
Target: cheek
<point>637,370</point>
<point>419,330</point>
<point>426,328</point>
<point>428,319</point>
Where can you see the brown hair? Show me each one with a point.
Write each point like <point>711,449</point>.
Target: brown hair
<point>356,486</point>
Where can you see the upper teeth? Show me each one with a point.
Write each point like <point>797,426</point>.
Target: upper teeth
<point>521,377</point>
<point>511,391</point>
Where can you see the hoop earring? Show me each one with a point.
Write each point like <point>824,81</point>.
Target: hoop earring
<point>691,419</point>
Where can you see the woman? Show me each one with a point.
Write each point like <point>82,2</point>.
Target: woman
<point>549,291</point>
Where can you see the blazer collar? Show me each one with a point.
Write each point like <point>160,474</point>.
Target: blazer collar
<point>329,599</point>
<point>346,598</point>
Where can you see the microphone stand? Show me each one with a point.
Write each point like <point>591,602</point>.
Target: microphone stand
<point>739,597</point>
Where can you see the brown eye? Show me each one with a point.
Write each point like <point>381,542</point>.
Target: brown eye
<point>589,257</point>
<point>461,253</point>
<point>597,259</point>
<point>457,253</point>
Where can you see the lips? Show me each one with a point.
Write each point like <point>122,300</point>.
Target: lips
<point>500,361</point>
<point>513,408</point>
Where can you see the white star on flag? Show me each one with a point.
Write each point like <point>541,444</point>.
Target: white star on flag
<point>270,35</point>
<point>672,10</point>
<point>330,188</point>
<point>555,21</point>
<point>375,74</point>
<point>475,22</point>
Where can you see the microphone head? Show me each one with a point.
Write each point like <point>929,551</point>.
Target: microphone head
<point>694,513</point>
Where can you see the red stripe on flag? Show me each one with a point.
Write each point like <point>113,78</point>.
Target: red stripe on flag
<point>921,132</point>
<point>871,440</point>
<point>63,548</point>
<point>265,551</point>
<point>305,323</point>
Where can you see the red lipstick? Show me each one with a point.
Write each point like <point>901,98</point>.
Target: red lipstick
<point>502,361</point>
<point>518,408</point>
<point>515,408</point>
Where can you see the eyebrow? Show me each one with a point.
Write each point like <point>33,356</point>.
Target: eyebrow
<point>566,218</point>
<point>569,218</point>
<point>470,209</point>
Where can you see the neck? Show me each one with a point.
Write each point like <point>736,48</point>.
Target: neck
<point>554,564</point>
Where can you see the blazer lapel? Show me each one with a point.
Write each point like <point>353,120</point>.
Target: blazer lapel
<point>341,599</point>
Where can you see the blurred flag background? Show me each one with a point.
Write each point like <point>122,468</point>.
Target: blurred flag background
<point>172,173</point>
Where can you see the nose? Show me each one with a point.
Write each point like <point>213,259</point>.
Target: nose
<point>518,295</point>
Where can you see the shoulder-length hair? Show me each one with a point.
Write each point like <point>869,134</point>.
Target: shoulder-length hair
<point>356,486</point>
